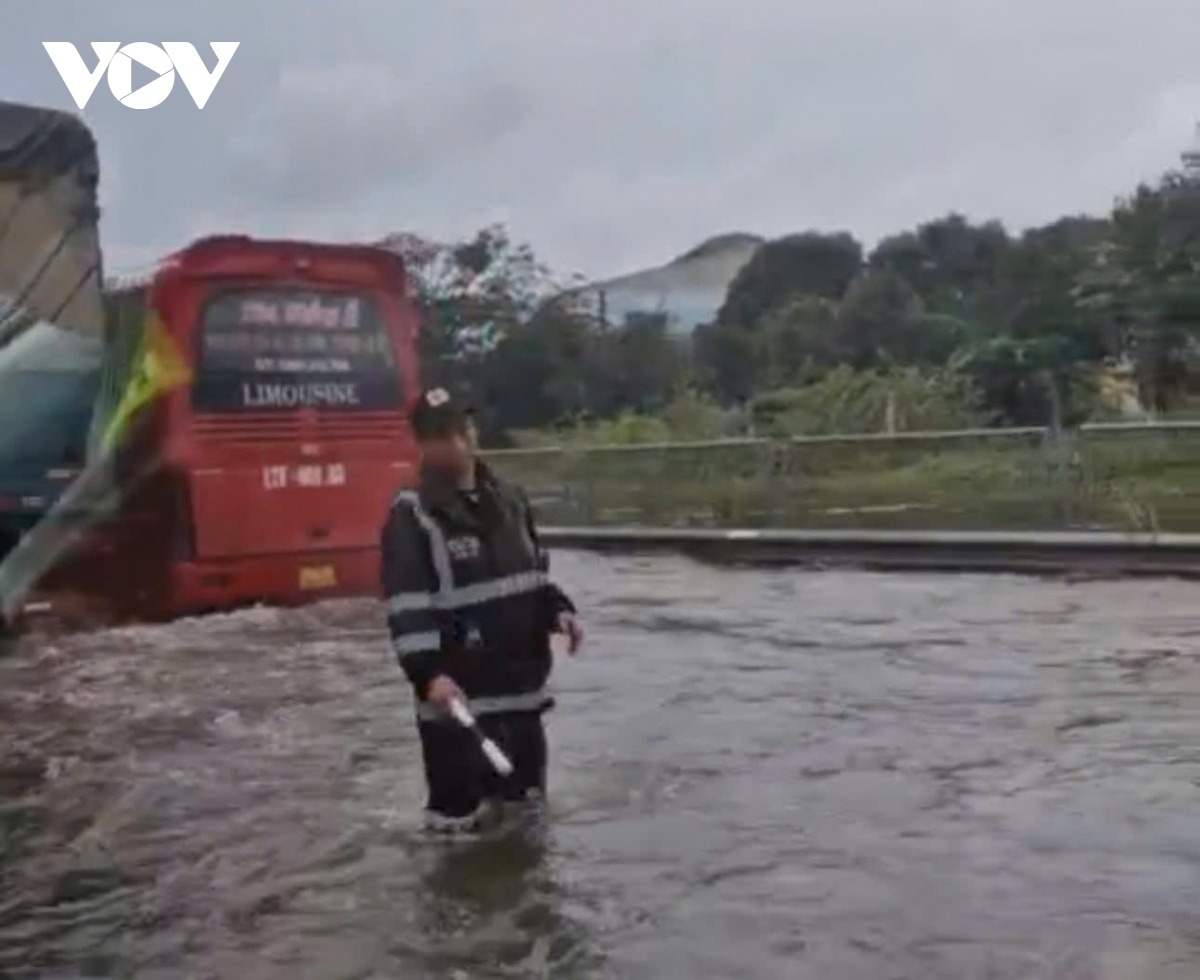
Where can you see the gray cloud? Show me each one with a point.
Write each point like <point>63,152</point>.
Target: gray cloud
<point>332,136</point>
<point>615,135</point>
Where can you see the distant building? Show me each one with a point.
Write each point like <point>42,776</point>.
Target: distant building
<point>688,291</point>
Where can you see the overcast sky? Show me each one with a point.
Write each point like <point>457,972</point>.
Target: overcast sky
<point>614,134</point>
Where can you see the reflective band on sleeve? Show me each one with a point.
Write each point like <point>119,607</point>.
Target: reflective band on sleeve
<point>407,643</point>
<point>490,706</point>
<point>438,550</point>
<point>409,602</point>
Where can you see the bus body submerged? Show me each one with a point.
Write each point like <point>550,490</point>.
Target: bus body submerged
<point>265,477</point>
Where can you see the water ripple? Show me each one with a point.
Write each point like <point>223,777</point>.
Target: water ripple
<point>756,773</point>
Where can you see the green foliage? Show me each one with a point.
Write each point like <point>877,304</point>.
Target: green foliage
<point>797,341</point>
<point>690,416</point>
<point>849,401</point>
<point>950,324</point>
<point>1145,281</point>
<point>809,263</point>
<point>1126,481</point>
<point>728,360</point>
<point>761,314</point>
<point>878,322</point>
<point>949,254</point>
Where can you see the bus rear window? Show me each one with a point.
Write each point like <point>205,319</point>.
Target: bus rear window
<point>279,349</point>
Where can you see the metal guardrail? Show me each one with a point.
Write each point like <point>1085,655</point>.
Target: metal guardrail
<point>1076,553</point>
<point>1141,476</point>
<point>1186,426</point>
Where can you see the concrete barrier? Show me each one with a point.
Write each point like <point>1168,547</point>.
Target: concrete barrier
<point>1049,553</point>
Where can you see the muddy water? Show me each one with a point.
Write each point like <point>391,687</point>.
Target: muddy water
<point>757,774</point>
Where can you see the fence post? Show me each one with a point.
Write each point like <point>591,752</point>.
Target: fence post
<point>778,490</point>
<point>589,489</point>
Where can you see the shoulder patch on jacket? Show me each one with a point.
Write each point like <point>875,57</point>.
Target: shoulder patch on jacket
<point>465,547</point>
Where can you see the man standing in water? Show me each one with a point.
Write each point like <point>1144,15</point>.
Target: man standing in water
<point>470,611</point>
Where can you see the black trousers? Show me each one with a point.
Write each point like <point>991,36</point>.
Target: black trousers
<point>459,777</point>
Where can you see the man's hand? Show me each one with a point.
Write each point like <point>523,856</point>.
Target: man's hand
<point>568,624</point>
<point>441,691</point>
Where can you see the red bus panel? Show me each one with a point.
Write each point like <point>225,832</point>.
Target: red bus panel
<point>271,474</point>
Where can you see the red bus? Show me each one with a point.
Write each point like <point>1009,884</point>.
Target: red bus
<point>266,478</point>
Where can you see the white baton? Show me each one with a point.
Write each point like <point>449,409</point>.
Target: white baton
<point>493,752</point>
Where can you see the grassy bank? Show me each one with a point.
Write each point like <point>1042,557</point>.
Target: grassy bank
<point>1134,480</point>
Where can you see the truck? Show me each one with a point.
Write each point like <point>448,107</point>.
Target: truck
<point>51,310</point>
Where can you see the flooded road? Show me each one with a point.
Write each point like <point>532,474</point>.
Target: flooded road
<point>762,774</point>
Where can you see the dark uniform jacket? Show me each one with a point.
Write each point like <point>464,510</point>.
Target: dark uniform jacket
<point>469,595</point>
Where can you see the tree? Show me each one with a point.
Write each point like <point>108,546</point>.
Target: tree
<point>1024,339</point>
<point>879,322</point>
<point>806,264</point>
<point>730,353</point>
<point>1011,379</point>
<point>797,342</point>
<point>648,362</point>
<point>948,256</point>
<point>1145,280</point>
<point>469,294</point>
<point>538,373</point>
<point>726,361</point>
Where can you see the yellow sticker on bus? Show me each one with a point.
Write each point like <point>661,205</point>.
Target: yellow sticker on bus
<point>318,577</point>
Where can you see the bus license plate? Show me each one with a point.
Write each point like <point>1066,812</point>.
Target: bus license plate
<point>318,577</point>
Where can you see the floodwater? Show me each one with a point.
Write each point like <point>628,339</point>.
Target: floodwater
<point>761,774</point>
